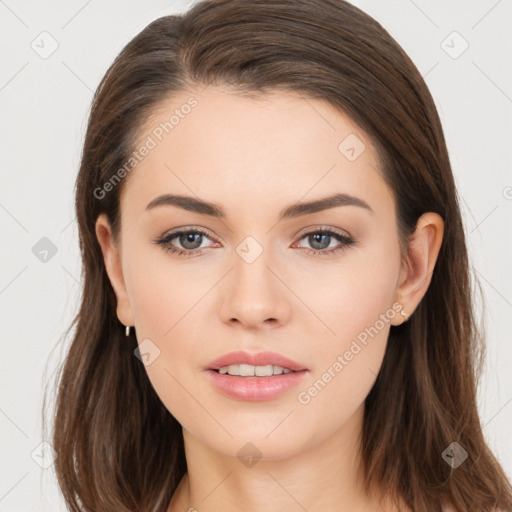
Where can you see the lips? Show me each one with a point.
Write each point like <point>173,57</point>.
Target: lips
<point>259,359</point>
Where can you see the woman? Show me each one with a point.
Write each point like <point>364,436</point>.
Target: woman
<point>277,310</point>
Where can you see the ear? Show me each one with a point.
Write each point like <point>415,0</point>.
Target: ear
<point>112,260</point>
<point>417,269</point>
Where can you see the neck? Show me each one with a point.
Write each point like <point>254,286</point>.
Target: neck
<point>326,476</point>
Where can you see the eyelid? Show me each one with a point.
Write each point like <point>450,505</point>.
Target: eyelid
<point>344,238</point>
<point>314,228</point>
<point>169,235</point>
<point>300,234</point>
<point>185,229</point>
<point>344,241</point>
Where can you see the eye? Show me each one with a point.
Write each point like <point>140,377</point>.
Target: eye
<point>321,239</point>
<point>189,239</point>
<point>191,242</point>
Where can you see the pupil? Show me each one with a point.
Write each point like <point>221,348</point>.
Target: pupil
<point>315,241</point>
<point>187,240</point>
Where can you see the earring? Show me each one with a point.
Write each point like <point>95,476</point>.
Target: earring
<point>405,315</point>
<point>127,331</point>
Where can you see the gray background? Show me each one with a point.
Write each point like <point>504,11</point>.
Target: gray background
<point>44,102</point>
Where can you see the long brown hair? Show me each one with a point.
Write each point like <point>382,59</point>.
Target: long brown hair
<point>119,448</point>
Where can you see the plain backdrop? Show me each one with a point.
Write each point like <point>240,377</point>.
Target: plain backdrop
<point>54,54</point>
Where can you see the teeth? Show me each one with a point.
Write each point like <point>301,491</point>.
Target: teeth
<point>248,370</point>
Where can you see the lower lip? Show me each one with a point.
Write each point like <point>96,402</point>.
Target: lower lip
<point>255,388</point>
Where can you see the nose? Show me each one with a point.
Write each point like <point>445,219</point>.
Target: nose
<point>254,295</point>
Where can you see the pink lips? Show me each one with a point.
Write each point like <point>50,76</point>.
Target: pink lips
<point>255,388</point>
<point>260,359</point>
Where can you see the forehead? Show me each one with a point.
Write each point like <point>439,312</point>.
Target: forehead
<point>218,143</point>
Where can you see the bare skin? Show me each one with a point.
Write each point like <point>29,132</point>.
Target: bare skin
<point>255,157</point>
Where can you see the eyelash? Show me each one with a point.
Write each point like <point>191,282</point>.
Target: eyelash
<point>165,240</point>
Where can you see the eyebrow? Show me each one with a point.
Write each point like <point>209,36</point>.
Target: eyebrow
<point>296,210</point>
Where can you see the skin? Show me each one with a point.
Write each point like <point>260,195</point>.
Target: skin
<point>256,156</point>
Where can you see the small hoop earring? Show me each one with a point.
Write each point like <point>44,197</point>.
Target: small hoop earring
<point>405,315</point>
<point>127,331</point>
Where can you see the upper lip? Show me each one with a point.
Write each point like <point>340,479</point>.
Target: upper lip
<point>259,359</point>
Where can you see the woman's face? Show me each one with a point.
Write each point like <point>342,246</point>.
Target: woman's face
<point>252,281</point>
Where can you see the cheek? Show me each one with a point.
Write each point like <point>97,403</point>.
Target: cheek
<point>162,293</point>
<point>358,312</point>
<point>343,335</point>
<point>168,307</point>
<point>348,296</point>
<point>346,365</point>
